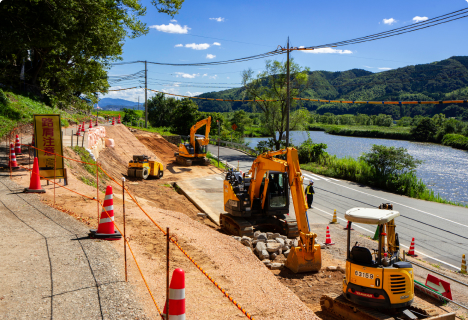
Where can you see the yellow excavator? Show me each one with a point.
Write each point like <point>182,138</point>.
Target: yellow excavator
<point>262,201</point>
<point>377,285</point>
<point>195,150</point>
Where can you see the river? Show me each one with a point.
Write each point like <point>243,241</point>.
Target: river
<point>444,170</point>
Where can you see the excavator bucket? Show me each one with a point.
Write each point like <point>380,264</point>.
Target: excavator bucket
<point>301,261</point>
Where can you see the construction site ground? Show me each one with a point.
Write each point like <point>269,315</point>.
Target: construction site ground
<point>266,294</point>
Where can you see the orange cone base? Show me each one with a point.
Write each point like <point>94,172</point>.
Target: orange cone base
<point>94,235</point>
<point>27,190</point>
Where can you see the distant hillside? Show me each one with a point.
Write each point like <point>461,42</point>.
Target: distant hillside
<point>116,104</point>
<point>442,80</point>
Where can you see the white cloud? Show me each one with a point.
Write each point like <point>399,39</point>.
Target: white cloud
<point>222,19</point>
<point>178,45</point>
<point>327,50</point>
<point>171,28</point>
<point>213,77</point>
<point>173,20</point>
<point>218,44</point>
<point>191,94</point>
<point>419,19</point>
<point>210,56</point>
<point>385,68</point>
<point>368,67</point>
<point>205,74</point>
<point>389,21</point>
<point>187,75</point>
<point>201,46</point>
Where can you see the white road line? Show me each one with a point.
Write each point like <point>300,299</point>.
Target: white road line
<point>334,179</point>
<point>318,177</point>
<point>310,177</point>
<point>431,214</point>
<point>372,232</point>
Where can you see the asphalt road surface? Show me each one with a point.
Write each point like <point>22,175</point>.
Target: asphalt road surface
<point>440,230</point>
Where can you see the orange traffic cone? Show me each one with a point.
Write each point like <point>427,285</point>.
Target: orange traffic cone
<point>35,183</point>
<point>13,163</point>
<point>176,296</point>
<point>347,227</point>
<point>113,121</point>
<point>328,241</point>
<point>17,146</point>
<point>90,124</point>
<point>118,120</point>
<point>105,228</point>
<point>411,249</point>
<point>83,127</point>
<point>78,133</point>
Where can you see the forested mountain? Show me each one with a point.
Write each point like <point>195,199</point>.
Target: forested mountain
<point>442,80</point>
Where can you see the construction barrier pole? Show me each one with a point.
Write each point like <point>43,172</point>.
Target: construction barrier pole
<point>71,139</point>
<point>124,231</point>
<point>55,173</point>
<point>167,275</point>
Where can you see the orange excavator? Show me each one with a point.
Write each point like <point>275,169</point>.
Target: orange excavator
<point>262,201</point>
<point>195,150</point>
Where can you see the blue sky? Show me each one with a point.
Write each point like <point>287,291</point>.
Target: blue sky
<point>211,30</point>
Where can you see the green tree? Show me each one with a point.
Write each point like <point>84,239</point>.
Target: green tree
<point>271,85</point>
<point>130,116</point>
<point>184,116</point>
<point>425,130</point>
<point>390,161</point>
<point>65,47</point>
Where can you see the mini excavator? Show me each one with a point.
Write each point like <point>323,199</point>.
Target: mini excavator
<point>377,285</point>
<point>195,150</point>
<point>262,201</point>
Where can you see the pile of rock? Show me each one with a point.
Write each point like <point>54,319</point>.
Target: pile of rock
<point>267,246</point>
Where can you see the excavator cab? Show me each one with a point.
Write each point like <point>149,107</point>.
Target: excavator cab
<point>377,279</point>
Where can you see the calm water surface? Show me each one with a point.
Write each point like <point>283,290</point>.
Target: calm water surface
<point>445,170</point>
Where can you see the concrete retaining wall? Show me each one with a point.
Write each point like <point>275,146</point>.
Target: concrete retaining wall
<point>173,139</point>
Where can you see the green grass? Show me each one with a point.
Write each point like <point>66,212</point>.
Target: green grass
<point>20,109</point>
<point>166,185</point>
<point>116,113</point>
<point>91,168</point>
<point>456,141</point>
<point>394,132</point>
<point>214,162</point>
<point>91,183</point>
<point>164,131</point>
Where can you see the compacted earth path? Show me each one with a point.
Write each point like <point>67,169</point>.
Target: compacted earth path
<point>49,268</point>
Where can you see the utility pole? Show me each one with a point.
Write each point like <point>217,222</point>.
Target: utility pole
<point>288,102</point>
<point>146,97</point>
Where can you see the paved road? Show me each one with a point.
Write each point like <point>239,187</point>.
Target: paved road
<point>440,230</point>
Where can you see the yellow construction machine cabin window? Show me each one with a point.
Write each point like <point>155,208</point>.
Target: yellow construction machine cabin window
<point>278,190</point>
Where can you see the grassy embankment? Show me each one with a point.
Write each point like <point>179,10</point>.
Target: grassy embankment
<point>214,162</point>
<point>455,141</point>
<point>395,132</point>
<point>359,171</point>
<point>17,110</point>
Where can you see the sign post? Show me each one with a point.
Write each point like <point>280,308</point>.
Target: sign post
<point>48,140</point>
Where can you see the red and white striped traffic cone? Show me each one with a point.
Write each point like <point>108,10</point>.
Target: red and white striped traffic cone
<point>113,121</point>
<point>90,124</point>
<point>411,250</point>
<point>17,145</point>
<point>97,123</point>
<point>13,163</point>
<point>328,241</point>
<point>105,228</point>
<point>83,128</point>
<point>118,120</point>
<point>347,227</point>
<point>176,296</point>
<point>78,133</point>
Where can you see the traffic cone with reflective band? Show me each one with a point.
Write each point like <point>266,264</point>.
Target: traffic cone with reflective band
<point>411,249</point>
<point>90,124</point>
<point>105,228</point>
<point>35,183</point>
<point>118,120</point>
<point>334,220</point>
<point>176,296</point>
<point>78,133</point>
<point>83,127</point>
<point>347,227</point>
<point>328,241</point>
<point>17,146</point>
<point>113,121</point>
<point>463,266</point>
<point>13,163</point>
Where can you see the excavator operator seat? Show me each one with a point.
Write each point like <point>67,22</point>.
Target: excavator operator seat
<point>189,148</point>
<point>361,256</point>
<point>278,190</point>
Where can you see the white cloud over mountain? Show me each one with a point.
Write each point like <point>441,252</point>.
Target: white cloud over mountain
<point>171,28</point>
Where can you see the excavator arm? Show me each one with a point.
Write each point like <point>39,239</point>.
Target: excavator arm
<point>205,122</point>
<point>306,256</point>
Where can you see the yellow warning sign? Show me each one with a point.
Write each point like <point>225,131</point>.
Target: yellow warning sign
<point>48,139</point>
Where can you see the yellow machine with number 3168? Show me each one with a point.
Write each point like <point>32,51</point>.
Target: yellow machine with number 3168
<point>380,279</point>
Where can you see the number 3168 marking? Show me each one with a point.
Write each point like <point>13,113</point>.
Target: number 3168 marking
<point>364,275</point>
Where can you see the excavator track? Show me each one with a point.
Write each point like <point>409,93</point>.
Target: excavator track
<point>235,225</point>
<point>339,307</point>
